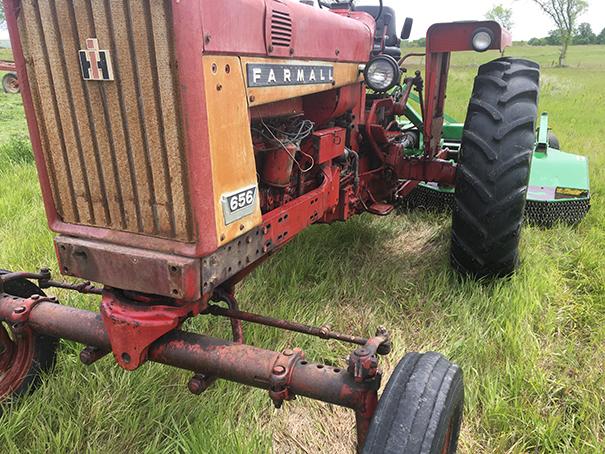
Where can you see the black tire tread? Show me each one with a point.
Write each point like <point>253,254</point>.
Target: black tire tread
<point>422,392</point>
<point>493,168</point>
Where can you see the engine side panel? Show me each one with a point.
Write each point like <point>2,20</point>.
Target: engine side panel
<point>232,155</point>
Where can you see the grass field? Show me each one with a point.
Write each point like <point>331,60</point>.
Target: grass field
<point>532,347</point>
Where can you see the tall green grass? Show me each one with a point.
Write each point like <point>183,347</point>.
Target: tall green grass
<point>532,347</point>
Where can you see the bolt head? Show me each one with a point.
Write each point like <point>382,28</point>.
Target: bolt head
<point>19,310</point>
<point>197,386</point>
<point>278,370</point>
<point>288,352</point>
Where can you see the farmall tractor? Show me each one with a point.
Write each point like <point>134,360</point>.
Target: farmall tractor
<point>10,82</point>
<point>179,144</point>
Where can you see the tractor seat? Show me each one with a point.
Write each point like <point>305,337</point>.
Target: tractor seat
<point>387,17</point>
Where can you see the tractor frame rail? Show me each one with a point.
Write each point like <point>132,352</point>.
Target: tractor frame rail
<point>284,374</point>
<point>6,65</point>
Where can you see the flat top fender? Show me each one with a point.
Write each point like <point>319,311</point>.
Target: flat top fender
<point>458,36</point>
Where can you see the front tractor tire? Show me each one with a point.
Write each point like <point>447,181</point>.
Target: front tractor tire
<point>24,356</point>
<point>493,168</point>
<point>420,410</point>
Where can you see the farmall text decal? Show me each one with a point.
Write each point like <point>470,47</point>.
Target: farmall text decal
<point>273,75</point>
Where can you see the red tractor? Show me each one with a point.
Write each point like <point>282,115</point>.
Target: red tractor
<point>10,82</point>
<point>179,144</point>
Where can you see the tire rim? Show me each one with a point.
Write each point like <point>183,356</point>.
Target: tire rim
<point>16,356</point>
<point>12,85</point>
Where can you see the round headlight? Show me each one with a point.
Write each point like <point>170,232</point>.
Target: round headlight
<point>382,73</point>
<point>482,40</point>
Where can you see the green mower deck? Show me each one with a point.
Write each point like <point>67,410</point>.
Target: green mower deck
<point>559,186</point>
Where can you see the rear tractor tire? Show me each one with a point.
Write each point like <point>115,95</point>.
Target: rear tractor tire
<point>420,410</point>
<point>23,356</point>
<point>10,83</point>
<point>493,168</point>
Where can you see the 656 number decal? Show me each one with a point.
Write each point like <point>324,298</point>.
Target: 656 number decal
<point>238,204</point>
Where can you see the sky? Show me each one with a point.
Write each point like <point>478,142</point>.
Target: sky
<point>529,20</point>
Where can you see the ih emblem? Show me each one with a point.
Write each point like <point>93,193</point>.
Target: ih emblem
<point>95,63</point>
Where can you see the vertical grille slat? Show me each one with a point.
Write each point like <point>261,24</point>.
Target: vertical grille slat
<point>66,17</point>
<point>169,111</point>
<point>49,161</point>
<point>85,29</point>
<point>127,69</point>
<point>114,150</point>
<point>66,103</point>
<point>149,114</point>
<point>47,110</point>
<point>113,118</point>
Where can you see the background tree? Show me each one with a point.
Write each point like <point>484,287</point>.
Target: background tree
<point>554,38</point>
<point>584,35</point>
<point>565,14</point>
<point>502,15</point>
<point>1,14</point>
<point>601,37</point>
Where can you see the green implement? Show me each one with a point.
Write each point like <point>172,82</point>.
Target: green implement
<point>559,186</point>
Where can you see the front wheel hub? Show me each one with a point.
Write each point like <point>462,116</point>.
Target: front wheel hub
<point>16,359</point>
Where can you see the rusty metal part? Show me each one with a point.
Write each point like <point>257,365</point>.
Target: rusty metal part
<point>20,315</point>
<point>14,276</point>
<point>277,168</point>
<point>132,327</point>
<point>160,274</point>
<point>231,258</point>
<point>363,416</point>
<point>6,65</point>
<point>281,376</point>
<point>44,281</point>
<point>90,355</point>
<point>236,325</point>
<point>210,356</point>
<point>201,382</point>
<point>363,362</point>
<point>16,356</point>
<point>323,332</point>
<point>86,288</point>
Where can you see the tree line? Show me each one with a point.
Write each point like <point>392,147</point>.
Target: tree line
<point>583,35</point>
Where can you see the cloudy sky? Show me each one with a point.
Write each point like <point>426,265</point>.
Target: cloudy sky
<point>528,18</point>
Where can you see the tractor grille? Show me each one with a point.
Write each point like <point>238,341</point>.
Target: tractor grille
<point>113,149</point>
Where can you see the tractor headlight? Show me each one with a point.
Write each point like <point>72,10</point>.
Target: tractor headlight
<point>482,39</point>
<point>382,73</point>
